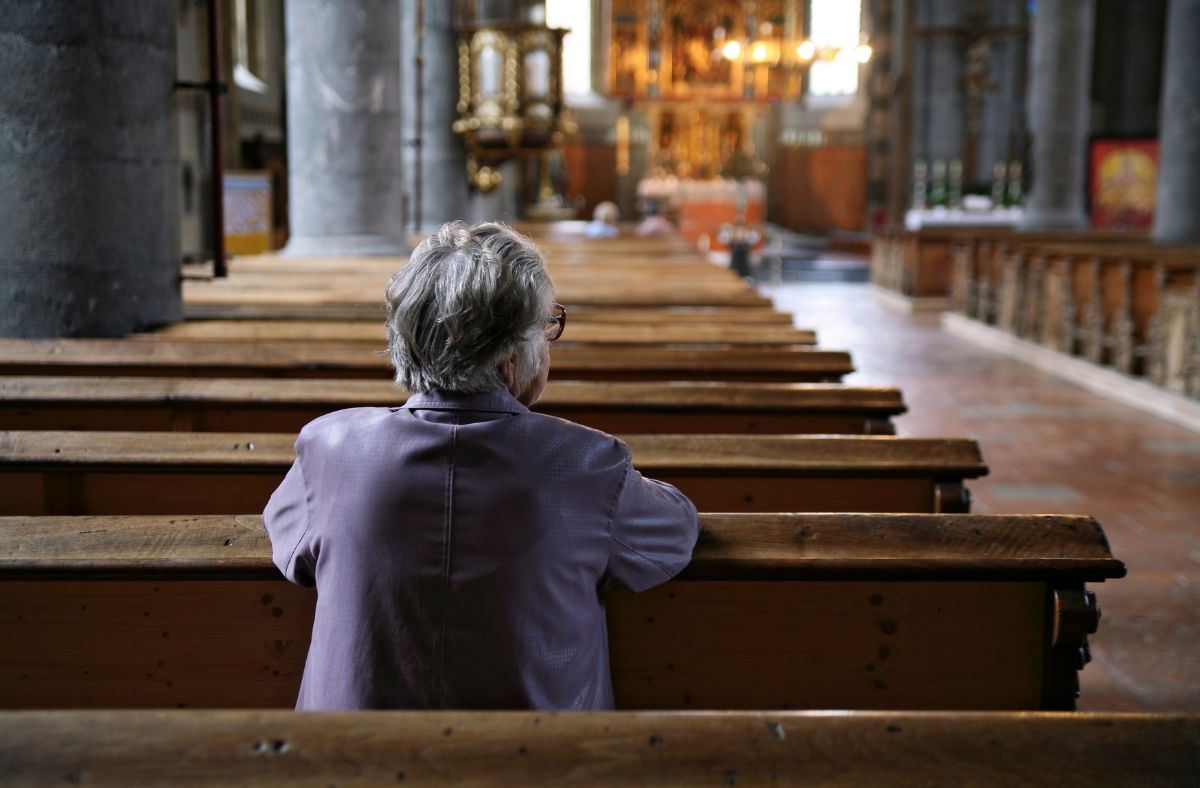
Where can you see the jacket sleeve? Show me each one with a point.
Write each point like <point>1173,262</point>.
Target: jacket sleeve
<point>287,523</point>
<point>652,530</point>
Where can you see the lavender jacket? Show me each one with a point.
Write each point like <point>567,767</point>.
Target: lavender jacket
<point>459,546</point>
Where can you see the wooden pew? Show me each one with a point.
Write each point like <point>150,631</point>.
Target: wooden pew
<point>353,360</point>
<point>624,291</point>
<point>575,265</point>
<point>221,748</point>
<point>580,333</point>
<point>285,405</point>
<point>775,611</point>
<point>56,472</point>
<point>373,311</point>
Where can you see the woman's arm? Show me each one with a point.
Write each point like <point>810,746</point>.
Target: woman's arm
<point>652,530</point>
<point>288,526</point>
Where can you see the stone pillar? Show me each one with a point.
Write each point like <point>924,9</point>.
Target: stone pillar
<point>444,192</point>
<point>89,176</point>
<point>1177,215</point>
<point>345,136</point>
<point>1060,74</point>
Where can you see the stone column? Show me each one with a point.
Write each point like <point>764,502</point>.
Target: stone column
<point>443,162</point>
<point>1060,78</point>
<point>345,136</point>
<point>89,175</point>
<point>1177,216</point>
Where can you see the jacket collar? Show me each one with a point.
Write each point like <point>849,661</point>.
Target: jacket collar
<point>494,401</point>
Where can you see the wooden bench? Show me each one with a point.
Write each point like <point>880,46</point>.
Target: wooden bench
<point>630,290</point>
<point>56,472</point>
<point>353,360</point>
<point>221,748</point>
<point>775,611</point>
<point>373,311</point>
<point>580,332</point>
<point>286,405</point>
<point>574,266</point>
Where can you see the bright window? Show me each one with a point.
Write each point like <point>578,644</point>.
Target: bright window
<point>577,45</point>
<point>835,23</point>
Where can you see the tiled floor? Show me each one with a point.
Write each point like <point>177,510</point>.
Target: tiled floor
<point>1052,447</point>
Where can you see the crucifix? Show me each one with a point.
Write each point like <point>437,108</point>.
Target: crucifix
<point>974,40</point>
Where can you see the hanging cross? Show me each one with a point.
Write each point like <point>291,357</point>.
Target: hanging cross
<point>974,39</point>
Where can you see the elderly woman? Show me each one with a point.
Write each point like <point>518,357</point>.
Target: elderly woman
<point>460,544</point>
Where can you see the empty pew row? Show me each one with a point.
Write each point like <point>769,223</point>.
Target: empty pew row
<point>775,611</point>
<point>353,360</point>
<point>286,405</point>
<point>580,332</point>
<point>611,291</point>
<point>563,264</point>
<point>119,748</point>
<point>373,311</point>
<point>67,472</point>
<point>1133,306</point>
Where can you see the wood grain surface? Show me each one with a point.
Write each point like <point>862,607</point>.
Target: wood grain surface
<point>373,311</point>
<point>580,332</point>
<point>286,405</point>
<point>731,546</point>
<point>349,359</point>
<point>725,454</point>
<point>247,748</point>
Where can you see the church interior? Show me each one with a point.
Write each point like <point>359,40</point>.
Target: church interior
<point>903,294</point>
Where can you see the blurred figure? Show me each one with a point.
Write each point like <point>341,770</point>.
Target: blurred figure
<point>604,221</point>
<point>656,224</point>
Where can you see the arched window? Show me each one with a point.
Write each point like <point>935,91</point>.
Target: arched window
<point>577,45</point>
<point>835,23</point>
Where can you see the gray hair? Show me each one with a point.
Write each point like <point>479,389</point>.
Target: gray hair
<point>467,299</point>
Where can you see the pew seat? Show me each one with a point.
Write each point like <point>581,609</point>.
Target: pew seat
<point>100,472</point>
<point>354,360</point>
<point>617,290</point>
<point>581,332</point>
<point>374,312</point>
<point>286,405</point>
<point>775,611</point>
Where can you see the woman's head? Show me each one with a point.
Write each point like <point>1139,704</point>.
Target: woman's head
<point>467,313</point>
<point>607,213</point>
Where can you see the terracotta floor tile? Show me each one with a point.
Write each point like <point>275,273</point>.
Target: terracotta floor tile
<point>1137,474</point>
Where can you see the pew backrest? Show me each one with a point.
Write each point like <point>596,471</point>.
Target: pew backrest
<point>775,611</point>
<point>99,472</point>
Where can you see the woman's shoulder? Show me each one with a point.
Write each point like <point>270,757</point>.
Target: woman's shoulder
<point>340,424</point>
<point>561,431</point>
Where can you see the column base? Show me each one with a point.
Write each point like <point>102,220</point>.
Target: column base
<point>345,246</point>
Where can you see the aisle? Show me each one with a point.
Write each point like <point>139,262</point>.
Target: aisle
<point>1052,447</point>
